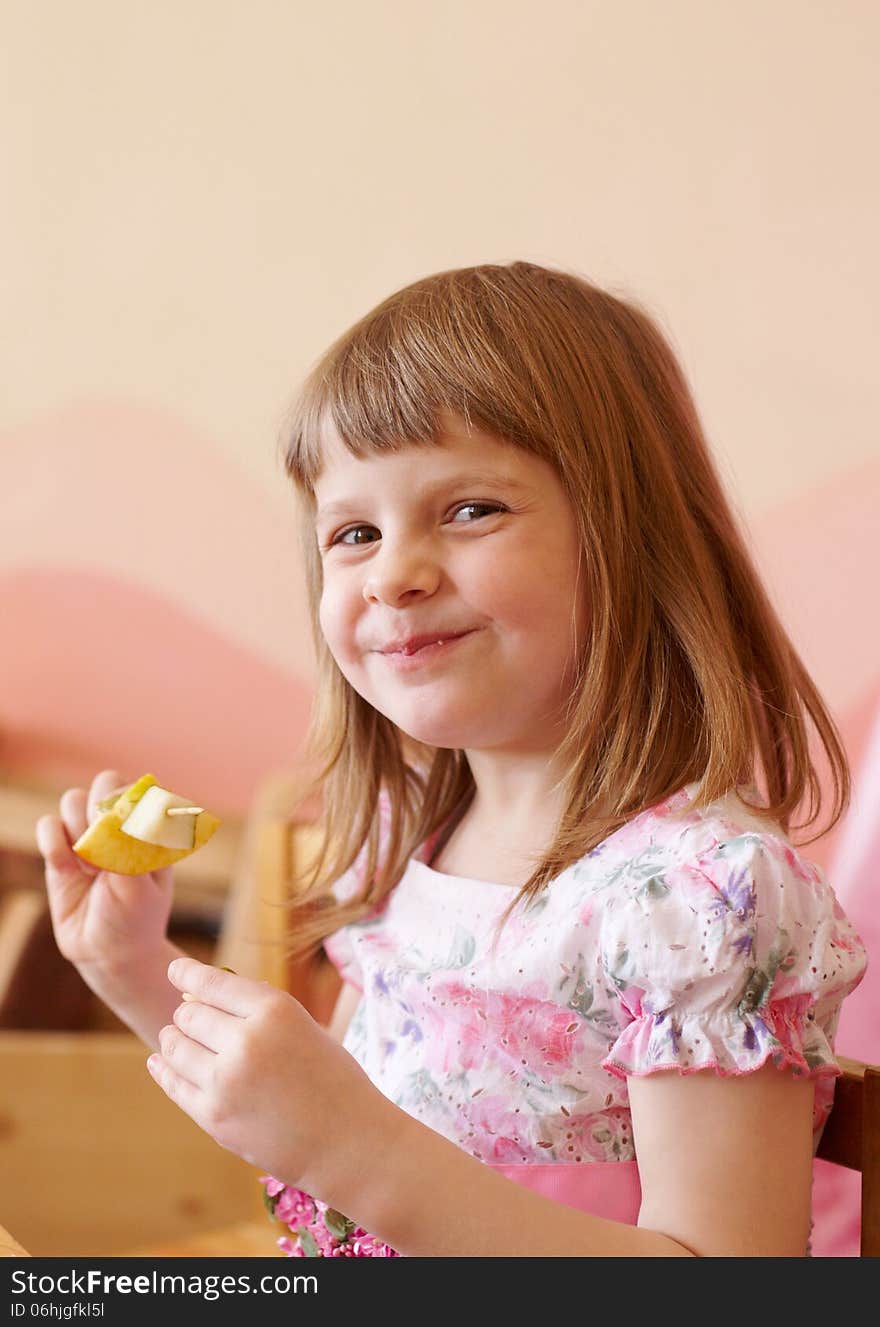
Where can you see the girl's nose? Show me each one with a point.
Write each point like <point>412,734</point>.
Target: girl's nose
<point>396,574</point>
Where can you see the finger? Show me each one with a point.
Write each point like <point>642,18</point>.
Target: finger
<point>214,986</point>
<point>103,784</point>
<point>203,1023</point>
<point>64,870</point>
<point>186,1057</point>
<point>177,1089</point>
<point>73,810</point>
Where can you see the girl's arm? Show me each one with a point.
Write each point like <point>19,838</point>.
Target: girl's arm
<point>725,1166</point>
<point>725,1160</point>
<point>138,991</point>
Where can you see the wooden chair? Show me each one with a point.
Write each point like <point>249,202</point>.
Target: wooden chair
<point>281,839</point>
<point>851,1138</point>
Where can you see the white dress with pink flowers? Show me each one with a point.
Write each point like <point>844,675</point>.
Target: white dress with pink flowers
<point>689,939</point>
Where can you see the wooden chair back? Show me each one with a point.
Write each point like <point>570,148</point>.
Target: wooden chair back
<point>851,1138</point>
<point>281,839</point>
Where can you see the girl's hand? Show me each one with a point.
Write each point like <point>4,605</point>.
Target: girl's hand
<point>256,1072</point>
<point>101,921</point>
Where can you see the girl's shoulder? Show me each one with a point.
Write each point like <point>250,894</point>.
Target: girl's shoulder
<point>677,825</point>
<point>728,856</point>
<point>727,944</point>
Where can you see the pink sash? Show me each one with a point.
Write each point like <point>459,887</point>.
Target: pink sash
<point>610,1189</point>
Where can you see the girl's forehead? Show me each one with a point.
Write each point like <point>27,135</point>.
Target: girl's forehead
<point>454,444</point>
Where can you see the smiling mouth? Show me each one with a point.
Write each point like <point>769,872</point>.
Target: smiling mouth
<point>412,647</point>
<point>413,658</point>
<point>428,644</point>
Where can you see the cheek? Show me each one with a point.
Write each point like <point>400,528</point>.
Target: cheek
<point>338,620</point>
<point>334,616</point>
<point>522,593</point>
<point>541,599</point>
<point>325,618</point>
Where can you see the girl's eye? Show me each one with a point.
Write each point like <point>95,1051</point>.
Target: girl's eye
<point>481,506</point>
<point>340,538</point>
<point>464,506</point>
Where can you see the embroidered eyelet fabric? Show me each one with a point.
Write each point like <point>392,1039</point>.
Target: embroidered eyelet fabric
<point>689,939</point>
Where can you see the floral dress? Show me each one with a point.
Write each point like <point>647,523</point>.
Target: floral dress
<point>688,939</point>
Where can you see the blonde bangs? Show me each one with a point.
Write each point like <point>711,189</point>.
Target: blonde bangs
<point>455,342</point>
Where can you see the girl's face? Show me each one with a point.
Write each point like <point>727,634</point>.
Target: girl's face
<point>472,536</point>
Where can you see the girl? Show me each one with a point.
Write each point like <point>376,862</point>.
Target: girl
<point>590,986</point>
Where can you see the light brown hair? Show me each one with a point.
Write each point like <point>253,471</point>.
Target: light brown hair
<point>687,672</point>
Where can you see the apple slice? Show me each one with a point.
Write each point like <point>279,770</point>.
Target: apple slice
<point>149,820</point>
<point>134,833</point>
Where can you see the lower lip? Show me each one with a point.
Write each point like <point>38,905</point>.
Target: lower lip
<point>406,663</point>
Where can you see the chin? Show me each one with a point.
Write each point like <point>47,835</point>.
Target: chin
<point>421,728</point>
<point>458,736</point>
<point>431,736</point>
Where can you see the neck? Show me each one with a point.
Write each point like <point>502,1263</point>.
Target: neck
<point>515,790</point>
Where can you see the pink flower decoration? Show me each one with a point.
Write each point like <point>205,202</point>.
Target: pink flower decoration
<point>295,1208</point>
<point>319,1232</point>
<point>465,1028</point>
<point>496,1126</point>
<point>322,1237</point>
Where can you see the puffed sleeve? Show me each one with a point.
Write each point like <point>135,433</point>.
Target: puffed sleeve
<point>728,956</point>
<point>341,946</point>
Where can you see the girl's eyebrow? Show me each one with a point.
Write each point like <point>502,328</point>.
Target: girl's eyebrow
<point>452,481</point>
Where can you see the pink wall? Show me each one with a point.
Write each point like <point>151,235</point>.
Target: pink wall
<point>152,607</point>
<point>107,673</point>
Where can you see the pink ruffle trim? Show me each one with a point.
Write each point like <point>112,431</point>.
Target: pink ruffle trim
<point>646,1046</point>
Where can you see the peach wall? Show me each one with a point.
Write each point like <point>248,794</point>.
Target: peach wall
<point>199,197</point>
